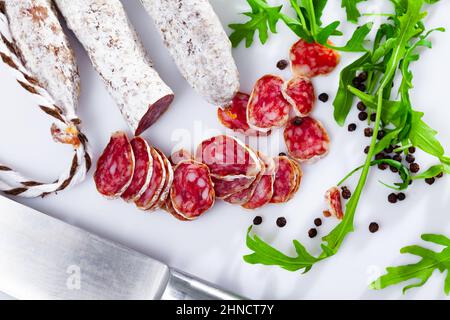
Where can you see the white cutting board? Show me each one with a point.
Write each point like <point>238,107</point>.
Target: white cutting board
<point>212,247</point>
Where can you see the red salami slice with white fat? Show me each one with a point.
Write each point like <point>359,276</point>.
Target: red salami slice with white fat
<point>234,116</point>
<point>306,139</point>
<point>115,167</point>
<point>333,199</point>
<point>169,208</point>
<point>299,92</point>
<point>192,191</point>
<point>298,176</point>
<point>142,171</point>
<point>228,158</point>
<point>225,188</point>
<point>267,108</point>
<point>167,183</point>
<point>312,59</point>
<point>285,180</point>
<point>151,195</point>
<point>180,155</point>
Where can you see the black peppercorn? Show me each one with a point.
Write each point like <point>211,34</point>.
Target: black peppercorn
<point>366,150</point>
<point>380,156</point>
<point>351,127</point>
<point>392,198</point>
<point>257,220</point>
<point>363,76</point>
<point>382,166</point>
<point>297,121</point>
<point>397,158</point>
<point>356,82</point>
<point>346,193</point>
<point>401,196</point>
<point>362,116</point>
<point>389,149</point>
<point>373,117</point>
<point>317,222</point>
<point>410,158</point>
<point>362,87</point>
<point>368,132</point>
<point>282,64</point>
<point>430,181</point>
<point>440,175</point>
<point>281,222</point>
<point>374,227</point>
<point>324,97</point>
<point>393,169</point>
<point>381,134</point>
<point>414,167</point>
<point>312,232</point>
<point>361,106</point>
<point>282,154</point>
<point>412,149</point>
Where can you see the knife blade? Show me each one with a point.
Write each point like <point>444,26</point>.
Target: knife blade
<point>44,258</point>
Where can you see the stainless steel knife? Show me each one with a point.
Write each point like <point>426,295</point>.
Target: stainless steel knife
<point>44,258</point>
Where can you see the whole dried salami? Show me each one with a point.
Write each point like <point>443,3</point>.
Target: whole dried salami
<point>312,59</point>
<point>143,170</point>
<point>225,188</point>
<point>306,139</point>
<point>285,180</point>
<point>118,55</point>
<point>264,190</point>
<point>115,167</point>
<point>234,115</point>
<point>333,199</point>
<point>152,193</point>
<point>267,108</point>
<point>299,92</point>
<point>192,191</point>
<point>228,158</point>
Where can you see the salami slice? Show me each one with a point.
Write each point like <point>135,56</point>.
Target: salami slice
<point>234,116</point>
<point>192,191</point>
<point>299,92</point>
<point>143,170</point>
<point>285,180</point>
<point>169,208</point>
<point>312,59</point>
<point>115,167</point>
<point>267,108</point>
<point>179,156</point>
<point>244,195</point>
<point>333,199</point>
<point>152,193</point>
<point>298,176</point>
<point>228,158</point>
<point>225,188</point>
<point>306,139</point>
<point>167,183</point>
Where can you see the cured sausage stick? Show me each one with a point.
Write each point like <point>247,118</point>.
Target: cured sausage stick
<point>45,50</point>
<point>195,38</point>
<point>117,54</point>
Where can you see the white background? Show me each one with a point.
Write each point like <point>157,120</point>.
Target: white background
<point>212,247</point>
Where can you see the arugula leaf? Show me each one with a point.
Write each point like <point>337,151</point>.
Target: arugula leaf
<point>351,7</point>
<point>422,270</point>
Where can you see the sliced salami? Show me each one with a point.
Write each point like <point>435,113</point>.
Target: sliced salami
<point>312,59</point>
<point>298,176</point>
<point>264,190</point>
<point>167,183</point>
<point>115,167</point>
<point>228,158</point>
<point>169,208</point>
<point>225,188</point>
<point>143,170</point>
<point>267,108</point>
<point>234,116</point>
<point>192,191</point>
<point>306,139</point>
<point>180,155</point>
<point>152,193</point>
<point>299,92</point>
<point>285,180</point>
<point>333,199</point>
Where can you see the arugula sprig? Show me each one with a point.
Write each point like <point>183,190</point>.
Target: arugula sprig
<point>307,25</point>
<point>351,8</point>
<point>394,49</point>
<point>422,270</point>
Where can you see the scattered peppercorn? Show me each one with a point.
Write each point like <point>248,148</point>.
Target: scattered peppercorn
<point>318,222</point>
<point>356,82</point>
<point>440,175</point>
<point>380,156</point>
<point>389,149</point>
<point>352,127</point>
<point>373,117</point>
<point>366,150</point>
<point>346,193</point>
<point>281,222</point>
<point>412,149</point>
<point>368,132</point>
<point>410,158</point>
<point>257,220</point>
<point>324,97</point>
<point>430,181</point>
<point>297,121</point>
<point>362,116</point>
<point>282,64</point>
<point>363,76</point>
<point>401,196</point>
<point>397,158</point>
<point>361,106</point>
<point>312,232</point>
<point>393,169</point>
<point>414,167</point>
<point>282,154</point>
<point>374,227</point>
<point>382,166</point>
<point>362,87</point>
<point>392,198</point>
<point>381,134</point>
